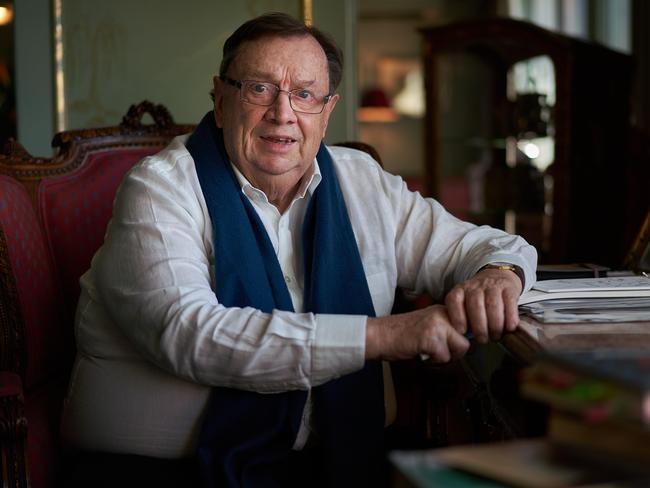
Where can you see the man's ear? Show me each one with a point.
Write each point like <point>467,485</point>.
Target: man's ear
<point>327,111</point>
<point>217,91</point>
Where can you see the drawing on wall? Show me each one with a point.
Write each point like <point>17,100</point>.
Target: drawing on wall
<point>93,56</point>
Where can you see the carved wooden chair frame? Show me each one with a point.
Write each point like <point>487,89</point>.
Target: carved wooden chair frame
<point>71,149</point>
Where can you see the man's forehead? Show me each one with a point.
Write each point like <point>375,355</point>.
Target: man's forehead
<point>265,56</point>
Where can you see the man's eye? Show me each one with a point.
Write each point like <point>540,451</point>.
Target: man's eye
<point>259,88</point>
<point>305,95</point>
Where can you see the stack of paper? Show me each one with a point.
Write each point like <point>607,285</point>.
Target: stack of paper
<point>621,299</point>
<point>589,310</point>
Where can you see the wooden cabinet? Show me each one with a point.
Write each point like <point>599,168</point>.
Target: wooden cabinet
<point>467,67</point>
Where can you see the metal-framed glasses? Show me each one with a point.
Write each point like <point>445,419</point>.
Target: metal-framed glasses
<point>265,94</point>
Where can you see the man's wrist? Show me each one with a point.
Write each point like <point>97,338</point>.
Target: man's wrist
<point>508,267</point>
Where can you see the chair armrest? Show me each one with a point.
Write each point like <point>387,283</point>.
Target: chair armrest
<point>13,431</point>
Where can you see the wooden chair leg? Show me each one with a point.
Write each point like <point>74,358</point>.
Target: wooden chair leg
<point>13,438</point>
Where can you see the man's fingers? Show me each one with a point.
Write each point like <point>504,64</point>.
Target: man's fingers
<point>476,315</point>
<point>486,304</point>
<point>511,309</point>
<point>441,342</point>
<point>446,347</point>
<point>494,310</point>
<point>455,303</point>
<point>457,343</point>
<point>491,313</point>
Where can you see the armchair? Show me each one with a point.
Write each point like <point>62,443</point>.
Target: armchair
<point>53,214</point>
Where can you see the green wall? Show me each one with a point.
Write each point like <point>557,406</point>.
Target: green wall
<point>119,52</point>
<point>34,75</point>
<point>339,18</point>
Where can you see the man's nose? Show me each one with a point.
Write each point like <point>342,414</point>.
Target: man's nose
<point>281,110</point>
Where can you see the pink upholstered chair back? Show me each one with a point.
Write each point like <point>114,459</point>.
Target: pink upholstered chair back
<point>53,216</point>
<point>32,316</point>
<point>74,191</point>
<point>75,209</point>
<point>36,290</point>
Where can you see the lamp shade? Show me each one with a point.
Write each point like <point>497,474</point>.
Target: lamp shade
<point>375,98</point>
<point>6,13</point>
<point>376,107</point>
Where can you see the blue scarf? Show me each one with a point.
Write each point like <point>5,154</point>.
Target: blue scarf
<point>246,437</point>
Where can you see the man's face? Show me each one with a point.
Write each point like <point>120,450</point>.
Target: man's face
<point>274,143</point>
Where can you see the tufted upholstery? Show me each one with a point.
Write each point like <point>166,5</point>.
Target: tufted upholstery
<point>76,208</point>
<point>53,215</point>
<point>35,282</point>
<point>38,317</point>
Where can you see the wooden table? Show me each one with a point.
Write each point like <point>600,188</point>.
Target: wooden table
<point>533,336</point>
<point>485,404</point>
<point>492,408</point>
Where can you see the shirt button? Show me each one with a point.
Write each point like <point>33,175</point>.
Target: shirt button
<point>287,278</point>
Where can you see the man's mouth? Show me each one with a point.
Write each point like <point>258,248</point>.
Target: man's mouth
<point>279,140</point>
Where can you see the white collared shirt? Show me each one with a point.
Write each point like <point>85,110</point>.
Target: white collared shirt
<point>152,337</point>
<point>285,230</point>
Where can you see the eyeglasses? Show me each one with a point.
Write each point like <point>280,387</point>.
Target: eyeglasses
<point>265,94</point>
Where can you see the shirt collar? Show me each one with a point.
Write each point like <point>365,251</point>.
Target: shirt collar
<point>307,185</point>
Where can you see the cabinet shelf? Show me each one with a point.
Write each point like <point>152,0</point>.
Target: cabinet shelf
<point>590,125</point>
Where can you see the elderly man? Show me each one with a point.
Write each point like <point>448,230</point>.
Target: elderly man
<point>239,308</point>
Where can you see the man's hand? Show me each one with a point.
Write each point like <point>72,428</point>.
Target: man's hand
<point>423,332</point>
<point>486,304</point>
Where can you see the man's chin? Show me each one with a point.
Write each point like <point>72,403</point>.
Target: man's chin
<point>281,167</point>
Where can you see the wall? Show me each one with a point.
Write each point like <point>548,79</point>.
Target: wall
<point>119,52</point>
<point>339,19</point>
<point>34,75</point>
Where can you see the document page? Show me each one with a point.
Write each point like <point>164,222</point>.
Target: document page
<point>594,284</point>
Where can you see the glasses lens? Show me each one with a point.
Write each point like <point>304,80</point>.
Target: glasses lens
<point>259,93</point>
<point>305,101</point>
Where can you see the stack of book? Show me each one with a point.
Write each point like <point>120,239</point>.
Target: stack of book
<point>599,402</point>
